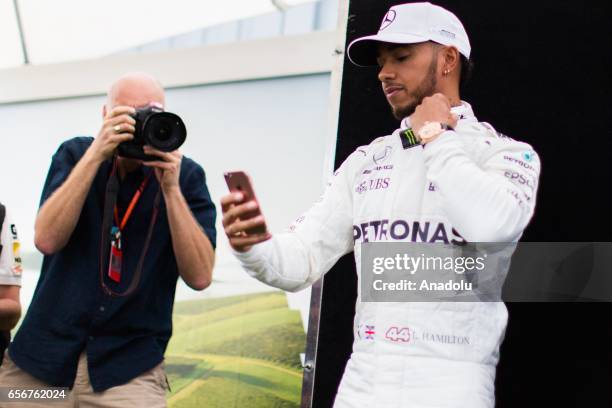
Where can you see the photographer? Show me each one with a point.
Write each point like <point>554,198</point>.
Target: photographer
<point>10,279</point>
<point>116,232</point>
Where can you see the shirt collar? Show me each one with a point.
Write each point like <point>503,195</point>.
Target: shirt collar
<point>463,111</point>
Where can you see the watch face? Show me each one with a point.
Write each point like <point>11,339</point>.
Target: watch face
<point>430,131</point>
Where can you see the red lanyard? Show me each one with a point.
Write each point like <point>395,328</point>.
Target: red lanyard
<point>114,237</point>
<point>130,209</point>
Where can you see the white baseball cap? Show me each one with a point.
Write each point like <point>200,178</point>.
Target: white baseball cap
<point>408,24</point>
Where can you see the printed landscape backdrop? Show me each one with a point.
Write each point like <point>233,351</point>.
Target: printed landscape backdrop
<point>236,351</point>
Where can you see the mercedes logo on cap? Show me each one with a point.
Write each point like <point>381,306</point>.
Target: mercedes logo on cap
<point>389,18</point>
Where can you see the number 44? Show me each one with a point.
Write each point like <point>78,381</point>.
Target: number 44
<point>395,334</point>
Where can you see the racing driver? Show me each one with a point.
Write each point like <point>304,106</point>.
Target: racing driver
<point>443,176</point>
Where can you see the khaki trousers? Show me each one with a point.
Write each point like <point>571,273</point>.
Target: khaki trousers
<point>147,390</point>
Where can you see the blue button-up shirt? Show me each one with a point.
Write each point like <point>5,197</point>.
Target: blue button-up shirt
<point>70,312</point>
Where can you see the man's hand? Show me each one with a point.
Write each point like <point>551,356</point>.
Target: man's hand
<point>235,228</point>
<point>58,216</point>
<point>118,127</point>
<point>436,108</point>
<point>167,170</point>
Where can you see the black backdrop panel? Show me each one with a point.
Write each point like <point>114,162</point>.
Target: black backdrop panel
<point>541,76</point>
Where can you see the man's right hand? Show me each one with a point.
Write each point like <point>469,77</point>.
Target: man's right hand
<point>118,127</point>
<point>235,227</point>
<point>58,216</point>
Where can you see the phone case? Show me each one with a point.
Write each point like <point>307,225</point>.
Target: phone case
<point>239,181</point>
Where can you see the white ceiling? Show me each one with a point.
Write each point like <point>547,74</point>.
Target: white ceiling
<point>67,30</point>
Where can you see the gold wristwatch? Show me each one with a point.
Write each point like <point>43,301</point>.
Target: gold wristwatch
<point>431,130</point>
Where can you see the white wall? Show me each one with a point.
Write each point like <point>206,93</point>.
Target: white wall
<point>274,129</point>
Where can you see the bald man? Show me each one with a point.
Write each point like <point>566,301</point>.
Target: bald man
<point>105,335</point>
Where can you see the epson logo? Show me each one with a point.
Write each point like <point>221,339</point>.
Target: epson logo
<point>519,178</point>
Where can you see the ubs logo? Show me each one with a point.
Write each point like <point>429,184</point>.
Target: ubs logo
<point>388,19</point>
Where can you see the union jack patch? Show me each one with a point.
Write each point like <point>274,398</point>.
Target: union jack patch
<point>369,332</point>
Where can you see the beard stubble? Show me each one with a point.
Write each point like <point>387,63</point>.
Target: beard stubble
<point>425,89</point>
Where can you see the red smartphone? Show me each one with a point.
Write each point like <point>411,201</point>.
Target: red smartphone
<point>239,181</point>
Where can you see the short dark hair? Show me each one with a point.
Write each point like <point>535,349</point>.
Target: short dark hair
<point>467,67</point>
<point>467,70</point>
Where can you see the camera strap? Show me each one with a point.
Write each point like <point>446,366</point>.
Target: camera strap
<point>133,202</point>
<point>116,252</point>
<point>113,246</point>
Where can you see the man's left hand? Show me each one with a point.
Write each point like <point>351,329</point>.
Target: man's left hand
<point>167,169</point>
<point>435,108</point>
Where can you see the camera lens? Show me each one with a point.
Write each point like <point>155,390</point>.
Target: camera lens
<point>165,131</point>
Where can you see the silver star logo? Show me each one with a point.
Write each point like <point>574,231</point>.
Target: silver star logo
<point>389,18</point>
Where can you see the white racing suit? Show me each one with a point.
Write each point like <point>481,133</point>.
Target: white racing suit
<point>471,184</point>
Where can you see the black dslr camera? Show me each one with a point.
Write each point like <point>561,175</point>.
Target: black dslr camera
<point>164,131</point>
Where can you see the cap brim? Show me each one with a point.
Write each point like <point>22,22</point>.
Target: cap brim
<point>364,51</point>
